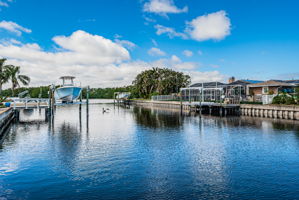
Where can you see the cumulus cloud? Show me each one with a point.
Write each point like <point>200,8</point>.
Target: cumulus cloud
<point>80,53</point>
<point>187,53</point>
<point>170,32</point>
<point>163,7</point>
<point>212,26</point>
<point>93,59</point>
<point>13,27</point>
<point>156,52</point>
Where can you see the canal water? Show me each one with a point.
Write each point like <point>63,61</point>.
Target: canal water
<point>141,153</point>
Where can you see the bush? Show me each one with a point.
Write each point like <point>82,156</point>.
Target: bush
<point>283,99</point>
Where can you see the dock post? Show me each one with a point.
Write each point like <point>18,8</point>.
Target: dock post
<point>50,101</point>
<point>53,100</point>
<point>87,110</point>
<point>181,102</point>
<point>87,98</point>
<point>210,110</point>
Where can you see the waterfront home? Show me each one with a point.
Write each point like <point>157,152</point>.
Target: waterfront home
<point>212,91</point>
<point>272,87</point>
<point>236,90</point>
<point>239,88</point>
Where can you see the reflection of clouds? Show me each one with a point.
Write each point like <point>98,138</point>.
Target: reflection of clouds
<point>8,167</point>
<point>111,137</point>
<point>206,156</point>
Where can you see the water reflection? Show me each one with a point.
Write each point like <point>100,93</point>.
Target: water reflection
<point>155,118</point>
<point>149,153</point>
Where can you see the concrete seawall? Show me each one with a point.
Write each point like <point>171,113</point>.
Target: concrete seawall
<point>162,104</point>
<point>6,116</point>
<point>268,111</point>
<point>271,111</point>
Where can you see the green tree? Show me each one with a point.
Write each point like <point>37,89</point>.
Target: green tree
<point>3,74</point>
<point>15,77</point>
<point>159,81</point>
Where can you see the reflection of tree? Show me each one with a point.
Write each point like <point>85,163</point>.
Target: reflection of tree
<point>156,118</point>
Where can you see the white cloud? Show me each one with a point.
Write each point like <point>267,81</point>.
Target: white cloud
<point>209,76</point>
<point>163,7</point>
<point>156,52</point>
<point>176,63</point>
<point>82,54</point>
<point>212,26</point>
<point>13,27</point>
<point>126,43</point>
<point>154,42</point>
<point>93,59</point>
<point>187,53</point>
<point>170,32</point>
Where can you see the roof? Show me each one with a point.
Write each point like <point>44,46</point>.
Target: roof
<point>271,83</point>
<point>239,82</point>
<point>292,81</point>
<point>208,84</point>
<point>252,81</point>
<point>67,77</point>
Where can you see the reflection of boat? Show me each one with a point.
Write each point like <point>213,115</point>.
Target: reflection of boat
<point>68,92</point>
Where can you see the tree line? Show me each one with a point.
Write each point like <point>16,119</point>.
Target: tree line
<point>155,81</point>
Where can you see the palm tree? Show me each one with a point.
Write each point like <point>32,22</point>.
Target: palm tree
<point>15,77</point>
<point>3,74</point>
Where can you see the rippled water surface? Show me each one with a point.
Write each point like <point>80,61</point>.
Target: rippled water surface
<point>141,153</point>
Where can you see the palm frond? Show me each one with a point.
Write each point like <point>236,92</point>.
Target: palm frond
<point>24,79</point>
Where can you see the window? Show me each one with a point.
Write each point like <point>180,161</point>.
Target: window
<point>265,90</point>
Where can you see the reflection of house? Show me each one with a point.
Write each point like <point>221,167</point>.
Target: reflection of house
<point>271,87</point>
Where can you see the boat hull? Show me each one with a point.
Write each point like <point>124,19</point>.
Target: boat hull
<point>67,94</point>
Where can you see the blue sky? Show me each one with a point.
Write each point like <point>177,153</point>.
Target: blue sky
<point>210,40</point>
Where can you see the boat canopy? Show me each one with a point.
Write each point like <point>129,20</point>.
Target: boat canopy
<point>67,80</point>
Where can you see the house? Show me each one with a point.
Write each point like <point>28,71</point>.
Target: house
<point>212,91</point>
<point>271,87</point>
<point>238,88</point>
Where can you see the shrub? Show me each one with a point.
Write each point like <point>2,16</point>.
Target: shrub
<point>283,99</point>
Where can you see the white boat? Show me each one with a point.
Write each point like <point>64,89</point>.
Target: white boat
<point>68,92</point>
